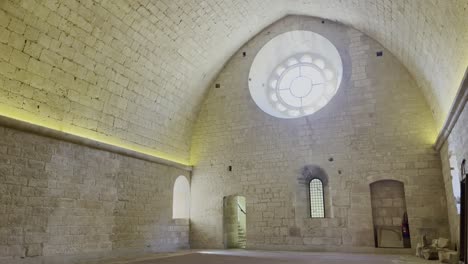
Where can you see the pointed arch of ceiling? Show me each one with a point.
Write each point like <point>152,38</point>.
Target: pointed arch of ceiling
<point>172,49</point>
<point>428,36</point>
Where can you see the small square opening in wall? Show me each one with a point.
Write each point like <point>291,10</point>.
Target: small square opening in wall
<point>244,54</point>
<point>379,53</point>
<point>217,85</point>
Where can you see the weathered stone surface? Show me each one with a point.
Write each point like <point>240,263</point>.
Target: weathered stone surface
<point>61,198</point>
<point>448,256</point>
<point>375,128</point>
<point>454,150</point>
<point>443,242</point>
<point>430,254</point>
<point>140,70</point>
<point>388,204</point>
<point>104,66</point>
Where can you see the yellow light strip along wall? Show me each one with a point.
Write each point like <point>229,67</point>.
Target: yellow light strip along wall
<point>27,117</point>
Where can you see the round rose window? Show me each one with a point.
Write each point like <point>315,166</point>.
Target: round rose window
<point>295,74</point>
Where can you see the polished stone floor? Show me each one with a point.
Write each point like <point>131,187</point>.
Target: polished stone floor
<point>230,257</point>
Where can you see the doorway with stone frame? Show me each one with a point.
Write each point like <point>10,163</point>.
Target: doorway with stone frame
<point>234,222</point>
<point>391,229</point>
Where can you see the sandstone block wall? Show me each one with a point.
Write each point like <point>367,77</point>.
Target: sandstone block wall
<point>61,198</point>
<point>97,67</point>
<point>167,51</point>
<point>377,127</point>
<point>457,146</point>
<point>388,203</point>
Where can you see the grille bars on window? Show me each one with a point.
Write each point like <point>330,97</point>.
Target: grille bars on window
<point>317,207</point>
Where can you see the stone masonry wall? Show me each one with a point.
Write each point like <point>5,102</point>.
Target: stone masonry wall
<point>61,198</point>
<point>456,145</point>
<point>98,67</point>
<point>137,70</point>
<point>377,127</point>
<point>388,203</point>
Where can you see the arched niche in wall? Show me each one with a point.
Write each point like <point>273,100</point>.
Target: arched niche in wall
<point>181,198</point>
<point>312,193</point>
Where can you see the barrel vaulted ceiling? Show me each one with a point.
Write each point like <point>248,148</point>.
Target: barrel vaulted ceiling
<point>135,73</point>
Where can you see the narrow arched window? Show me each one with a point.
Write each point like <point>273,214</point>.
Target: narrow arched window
<point>181,200</point>
<point>317,206</point>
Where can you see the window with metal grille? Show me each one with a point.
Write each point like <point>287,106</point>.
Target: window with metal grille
<point>317,206</point>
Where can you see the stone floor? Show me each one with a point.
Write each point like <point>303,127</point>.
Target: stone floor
<point>261,257</point>
<point>232,257</point>
<point>243,257</point>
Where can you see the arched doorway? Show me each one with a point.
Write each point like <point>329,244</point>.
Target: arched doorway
<point>235,221</point>
<point>391,229</point>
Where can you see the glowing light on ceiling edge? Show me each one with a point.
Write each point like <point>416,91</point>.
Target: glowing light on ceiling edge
<point>24,116</point>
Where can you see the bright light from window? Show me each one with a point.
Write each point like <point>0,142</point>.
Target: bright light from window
<point>317,208</point>
<point>181,200</point>
<point>301,85</point>
<point>295,74</point>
